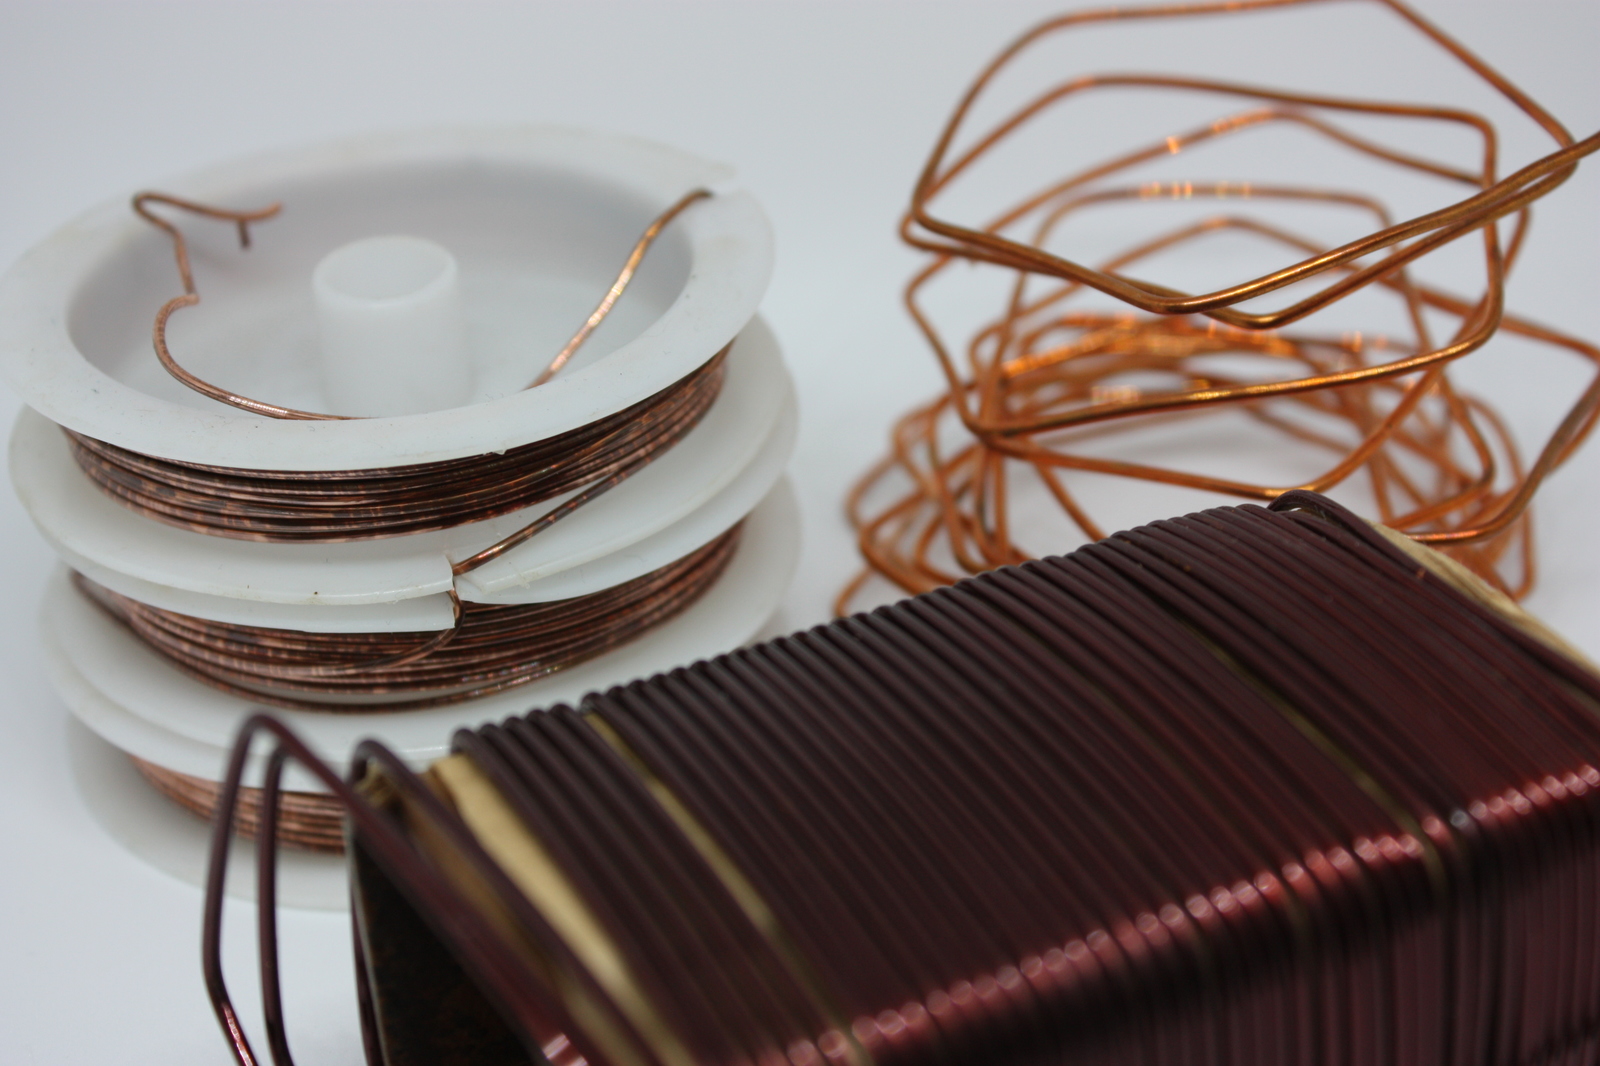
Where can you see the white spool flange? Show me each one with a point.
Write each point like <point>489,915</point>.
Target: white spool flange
<point>152,709</point>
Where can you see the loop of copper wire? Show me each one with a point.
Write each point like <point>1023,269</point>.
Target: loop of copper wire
<point>1026,394</point>
<point>243,219</point>
<point>441,902</point>
<point>1494,201</point>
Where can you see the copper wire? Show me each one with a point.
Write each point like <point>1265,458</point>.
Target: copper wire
<point>624,276</point>
<point>1248,786</point>
<point>309,821</point>
<point>242,220</point>
<point>493,648</point>
<point>340,505</point>
<point>1045,378</point>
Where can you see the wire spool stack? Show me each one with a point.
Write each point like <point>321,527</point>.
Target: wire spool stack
<point>358,510</point>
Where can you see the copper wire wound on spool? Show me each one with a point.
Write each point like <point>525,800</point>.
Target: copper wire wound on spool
<point>339,505</point>
<point>310,821</point>
<point>242,220</point>
<point>1046,385</point>
<point>491,648</point>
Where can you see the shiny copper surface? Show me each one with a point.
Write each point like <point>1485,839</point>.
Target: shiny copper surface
<point>1047,383</point>
<point>310,821</point>
<point>490,649</point>
<point>244,219</point>
<point>338,505</point>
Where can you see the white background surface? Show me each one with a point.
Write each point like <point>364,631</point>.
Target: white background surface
<point>827,108</point>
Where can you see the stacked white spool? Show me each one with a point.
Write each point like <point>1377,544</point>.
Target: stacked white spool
<point>509,239</point>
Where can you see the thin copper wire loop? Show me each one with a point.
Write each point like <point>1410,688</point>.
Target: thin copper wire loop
<point>1047,380</point>
<point>243,220</point>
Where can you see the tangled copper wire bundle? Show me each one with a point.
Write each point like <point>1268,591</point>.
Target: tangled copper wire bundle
<point>1050,381</point>
<point>490,649</point>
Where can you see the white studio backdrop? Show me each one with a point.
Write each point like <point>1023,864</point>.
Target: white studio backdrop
<point>826,107</point>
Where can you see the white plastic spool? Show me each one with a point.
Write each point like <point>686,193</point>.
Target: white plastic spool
<point>539,219</point>
<point>531,225</point>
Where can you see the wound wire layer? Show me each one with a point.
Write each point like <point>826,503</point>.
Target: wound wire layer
<point>1254,785</point>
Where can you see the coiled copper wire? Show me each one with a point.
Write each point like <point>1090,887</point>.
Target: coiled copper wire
<point>1249,786</point>
<point>1043,378</point>
<point>339,505</point>
<point>492,648</point>
<point>309,821</point>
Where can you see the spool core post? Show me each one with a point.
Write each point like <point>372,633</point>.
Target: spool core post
<point>393,333</point>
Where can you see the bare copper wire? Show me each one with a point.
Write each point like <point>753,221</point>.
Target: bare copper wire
<point>342,505</point>
<point>1043,377</point>
<point>492,648</point>
<point>243,220</point>
<point>614,293</point>
<point>309,821</point>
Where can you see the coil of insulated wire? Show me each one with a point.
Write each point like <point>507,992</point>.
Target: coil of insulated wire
<point>492,647</point>
<point>343,505</point>
<point>1247,786</point>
